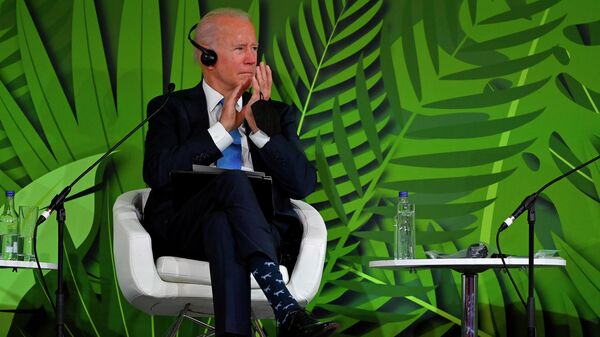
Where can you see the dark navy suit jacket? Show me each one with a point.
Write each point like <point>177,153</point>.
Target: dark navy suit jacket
<point>178,137</point>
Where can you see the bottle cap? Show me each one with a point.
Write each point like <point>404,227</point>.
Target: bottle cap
<point>10,193</point>
<point>403,194</point>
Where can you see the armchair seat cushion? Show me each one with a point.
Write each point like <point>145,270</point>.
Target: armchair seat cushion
<point>181,270</point>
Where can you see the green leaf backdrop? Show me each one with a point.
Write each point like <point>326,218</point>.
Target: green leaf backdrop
<point>469,105</point>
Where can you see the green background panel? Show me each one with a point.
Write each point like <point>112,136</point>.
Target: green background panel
<point>469,105</point>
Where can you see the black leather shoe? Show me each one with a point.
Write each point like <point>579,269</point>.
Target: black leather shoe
<point>300,323</point>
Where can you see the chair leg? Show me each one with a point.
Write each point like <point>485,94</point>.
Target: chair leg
<point>175,327</point>
<point>257,328</point>
<point>256,324</point>
<point>199,322</point>
<point>210,330</point>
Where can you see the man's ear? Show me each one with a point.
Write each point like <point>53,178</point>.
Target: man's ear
<point>197,55</point>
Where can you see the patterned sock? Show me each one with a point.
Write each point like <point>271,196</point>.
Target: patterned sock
<point>268,277</point>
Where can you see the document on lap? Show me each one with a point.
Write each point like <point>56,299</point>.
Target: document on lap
<point>216,170</point>
<point>186,184</point>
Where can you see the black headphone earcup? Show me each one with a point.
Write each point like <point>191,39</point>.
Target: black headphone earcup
<point>208,57</point>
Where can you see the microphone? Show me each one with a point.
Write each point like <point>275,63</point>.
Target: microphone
<point>530,200</point>
<point>60,198</point>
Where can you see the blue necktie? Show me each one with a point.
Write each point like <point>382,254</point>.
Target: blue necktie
<point>232,155</point>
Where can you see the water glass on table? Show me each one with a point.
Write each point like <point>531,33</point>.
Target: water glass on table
<point>27,217</point>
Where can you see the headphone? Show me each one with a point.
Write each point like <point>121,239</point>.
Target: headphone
<point>209,56</point>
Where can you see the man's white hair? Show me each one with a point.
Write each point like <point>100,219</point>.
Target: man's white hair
<point>206,31</point>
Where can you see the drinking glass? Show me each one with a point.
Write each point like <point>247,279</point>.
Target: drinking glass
<point>27,217</point>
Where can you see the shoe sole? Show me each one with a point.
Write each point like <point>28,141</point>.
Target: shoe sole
<point>330,331</point>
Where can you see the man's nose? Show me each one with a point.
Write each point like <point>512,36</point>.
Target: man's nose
<point>250,56</point>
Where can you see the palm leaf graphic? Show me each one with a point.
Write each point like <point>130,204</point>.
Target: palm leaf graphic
<point>359,174</point>
<point>468,105</point>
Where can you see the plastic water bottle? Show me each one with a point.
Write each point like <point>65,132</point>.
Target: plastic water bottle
<point>8,228</point>
<point>404,239</point>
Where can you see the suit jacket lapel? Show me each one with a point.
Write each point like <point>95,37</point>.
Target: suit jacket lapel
<point>195,107</point>
<point>197,115</point>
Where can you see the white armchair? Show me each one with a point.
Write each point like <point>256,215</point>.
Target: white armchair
<point>181,287</point>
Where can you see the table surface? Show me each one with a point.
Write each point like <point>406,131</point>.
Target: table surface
<point>468,264</point>
<point>26,264</point>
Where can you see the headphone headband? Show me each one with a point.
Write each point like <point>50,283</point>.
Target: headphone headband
<point>209,56</point>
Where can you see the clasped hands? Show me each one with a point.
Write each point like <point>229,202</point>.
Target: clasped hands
<point>261,89</point>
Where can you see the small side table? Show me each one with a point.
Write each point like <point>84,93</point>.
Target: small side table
<point>26,264</point>
<point>469,267</point>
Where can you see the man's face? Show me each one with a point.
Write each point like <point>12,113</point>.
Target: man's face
<point>236,48</point>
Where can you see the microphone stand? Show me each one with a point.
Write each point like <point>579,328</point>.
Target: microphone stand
<point>530,296</point>
<point>58,205</point>
<point>529,204</point>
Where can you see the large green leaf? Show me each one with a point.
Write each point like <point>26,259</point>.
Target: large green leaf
<point>514,38</point>
<point>91,83</point>
<point>328,182</point>
<point>506,68</point>
<point>463,158</point>
<point>578,92</point>
<point>519,12</point>
<point>80,215</point>
<point>341,139</point>
<point>488,98</point>
<point>436,211</point>
<point>359,72</point>
<point>465,125</point>
<point>566,160</point>
<point>448,184</point>
<point>184,69</point>
<point>366,113</point>
<point>423,238</point>
<point>587,34</point>
<point>11,65</point>
<point>368,315</point>
<point>46,91</point>
<point>305,71</point>
<point>583,273</point>
<point>139,78</point>
<point>22,143</point>
<point>409,49</point>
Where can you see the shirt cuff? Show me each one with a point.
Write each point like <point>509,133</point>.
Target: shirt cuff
<point>220,136</point>
<point>259,138</point>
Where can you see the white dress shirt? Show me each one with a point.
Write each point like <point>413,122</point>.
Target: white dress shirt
<point>219,134</point>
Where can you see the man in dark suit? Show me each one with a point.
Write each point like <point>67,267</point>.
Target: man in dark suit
<point>217,123</point>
